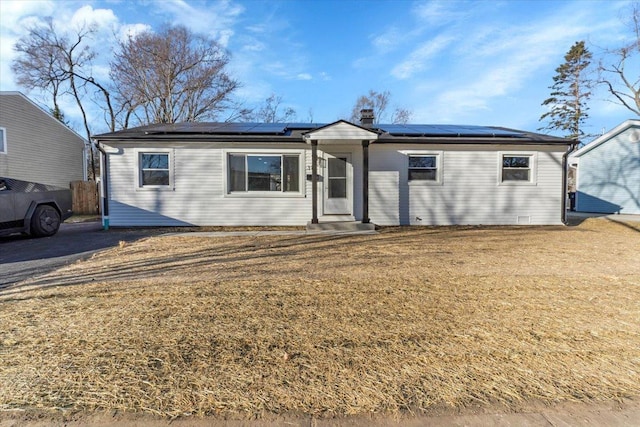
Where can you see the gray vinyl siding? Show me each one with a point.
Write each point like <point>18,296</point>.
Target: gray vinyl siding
<point>470,191</point>
<point>39,147</point>
<point>199,196</point>
<point>608,178</point>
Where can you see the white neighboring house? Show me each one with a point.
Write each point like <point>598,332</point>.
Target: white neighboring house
<point>35,146</point>
<point>298,173</point>
<point>608,171</point>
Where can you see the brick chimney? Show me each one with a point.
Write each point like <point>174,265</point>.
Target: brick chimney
<point>366,117</point>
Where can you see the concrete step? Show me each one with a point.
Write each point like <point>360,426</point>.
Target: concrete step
<point>341,226</point>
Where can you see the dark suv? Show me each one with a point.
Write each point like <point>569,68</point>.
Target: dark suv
<point>32,208</point>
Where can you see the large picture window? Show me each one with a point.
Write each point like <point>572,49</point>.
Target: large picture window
<point>154,170</point>
<point>264,172</point>
<point>423,168</point>
<point>516,168</point>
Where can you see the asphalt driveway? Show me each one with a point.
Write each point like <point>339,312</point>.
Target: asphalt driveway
<point>22,257</point>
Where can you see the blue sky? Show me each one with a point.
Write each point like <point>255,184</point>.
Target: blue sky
<point>463,62</point>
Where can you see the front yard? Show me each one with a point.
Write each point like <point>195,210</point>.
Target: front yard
<point>411,319</point>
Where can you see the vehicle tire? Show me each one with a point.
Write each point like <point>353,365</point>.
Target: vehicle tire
<point>45,221</point>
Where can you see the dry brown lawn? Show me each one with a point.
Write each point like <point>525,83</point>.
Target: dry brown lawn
<point>409,319</point>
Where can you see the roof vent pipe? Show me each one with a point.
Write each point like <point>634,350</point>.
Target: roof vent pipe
<point>366,117</point>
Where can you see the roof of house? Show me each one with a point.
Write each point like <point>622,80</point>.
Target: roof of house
<point>607,136</point>
<point>294,132</point>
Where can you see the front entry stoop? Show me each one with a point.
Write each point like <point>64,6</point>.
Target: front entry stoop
<point>342,226</point>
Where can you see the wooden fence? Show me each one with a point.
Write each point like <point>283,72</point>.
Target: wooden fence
<point>86,200</point>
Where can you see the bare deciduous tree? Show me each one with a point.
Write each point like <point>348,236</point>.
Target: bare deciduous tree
<point>624,83</point>
<point>171,76</point>
<point>378,102</point>
<point>401,116</point>
<point>60,62</point>
<point>37,65</point>
<point>270,111</point>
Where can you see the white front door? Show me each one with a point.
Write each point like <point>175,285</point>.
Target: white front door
<point>337,184</point>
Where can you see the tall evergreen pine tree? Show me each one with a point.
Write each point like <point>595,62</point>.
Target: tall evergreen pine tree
<point>569,94</point>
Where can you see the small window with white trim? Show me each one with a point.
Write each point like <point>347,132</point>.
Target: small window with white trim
<point>155,170</point>
<point>424,168</point>
<point>3,141</point>
<point>274,173</point>
<point>516,168</point>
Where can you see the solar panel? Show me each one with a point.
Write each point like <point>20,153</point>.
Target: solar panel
<point>268,128</point>
<point>446,130</point>
<point>220,128</point>
<point>396,129</point>
<point>297,126</point>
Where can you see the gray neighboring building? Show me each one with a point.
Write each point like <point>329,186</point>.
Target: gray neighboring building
<point>608,171</point>
<point>35,146</point>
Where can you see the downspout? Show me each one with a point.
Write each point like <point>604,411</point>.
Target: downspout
<point>314,181</point>
<point>565,180</point>
<point>104,175</point>
<point>85,153</point>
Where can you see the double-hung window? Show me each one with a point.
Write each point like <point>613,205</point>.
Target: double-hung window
<point>517,168</point>
<point>277,173</point>
<point>154,170</point>
<point>424,168</point>
<point>3,141</point>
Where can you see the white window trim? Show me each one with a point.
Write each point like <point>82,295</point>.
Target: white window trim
<point>439,166</point>
<point>3,149</point>
<point>265,194</point>
<point>138,169</point>
<point>533,167</point>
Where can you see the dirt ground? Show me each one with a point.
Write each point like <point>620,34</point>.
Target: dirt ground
<point>411,321</point>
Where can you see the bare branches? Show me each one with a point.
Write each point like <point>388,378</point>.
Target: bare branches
<point>270,111</point>
<point>38,65</point>
<point>60,63</point>
<point>401,116</point>
<point>171,76</point>
<point>621,83</point>
<point>378,102</point>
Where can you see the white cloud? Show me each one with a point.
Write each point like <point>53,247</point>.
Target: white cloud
<point>254,46</point>
<point>286,71</point>
<point>87,16</point>
<point>214,19</point>
<point>419,59</point>
<point>439,13</point>
<point>132,30</point>
<point>388,40</point>
<point>494,66</point>
<point>224,36</point>
<point>14,15</point>
<point>15,18</point>
<point>254,92</point>
<point>257,28</point>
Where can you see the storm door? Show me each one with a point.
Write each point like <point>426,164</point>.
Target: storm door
<point>337,184</point>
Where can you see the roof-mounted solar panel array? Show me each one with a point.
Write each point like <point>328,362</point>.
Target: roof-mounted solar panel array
<point>220,128</point>
<point>295,131</point>
<point>446,130</point>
